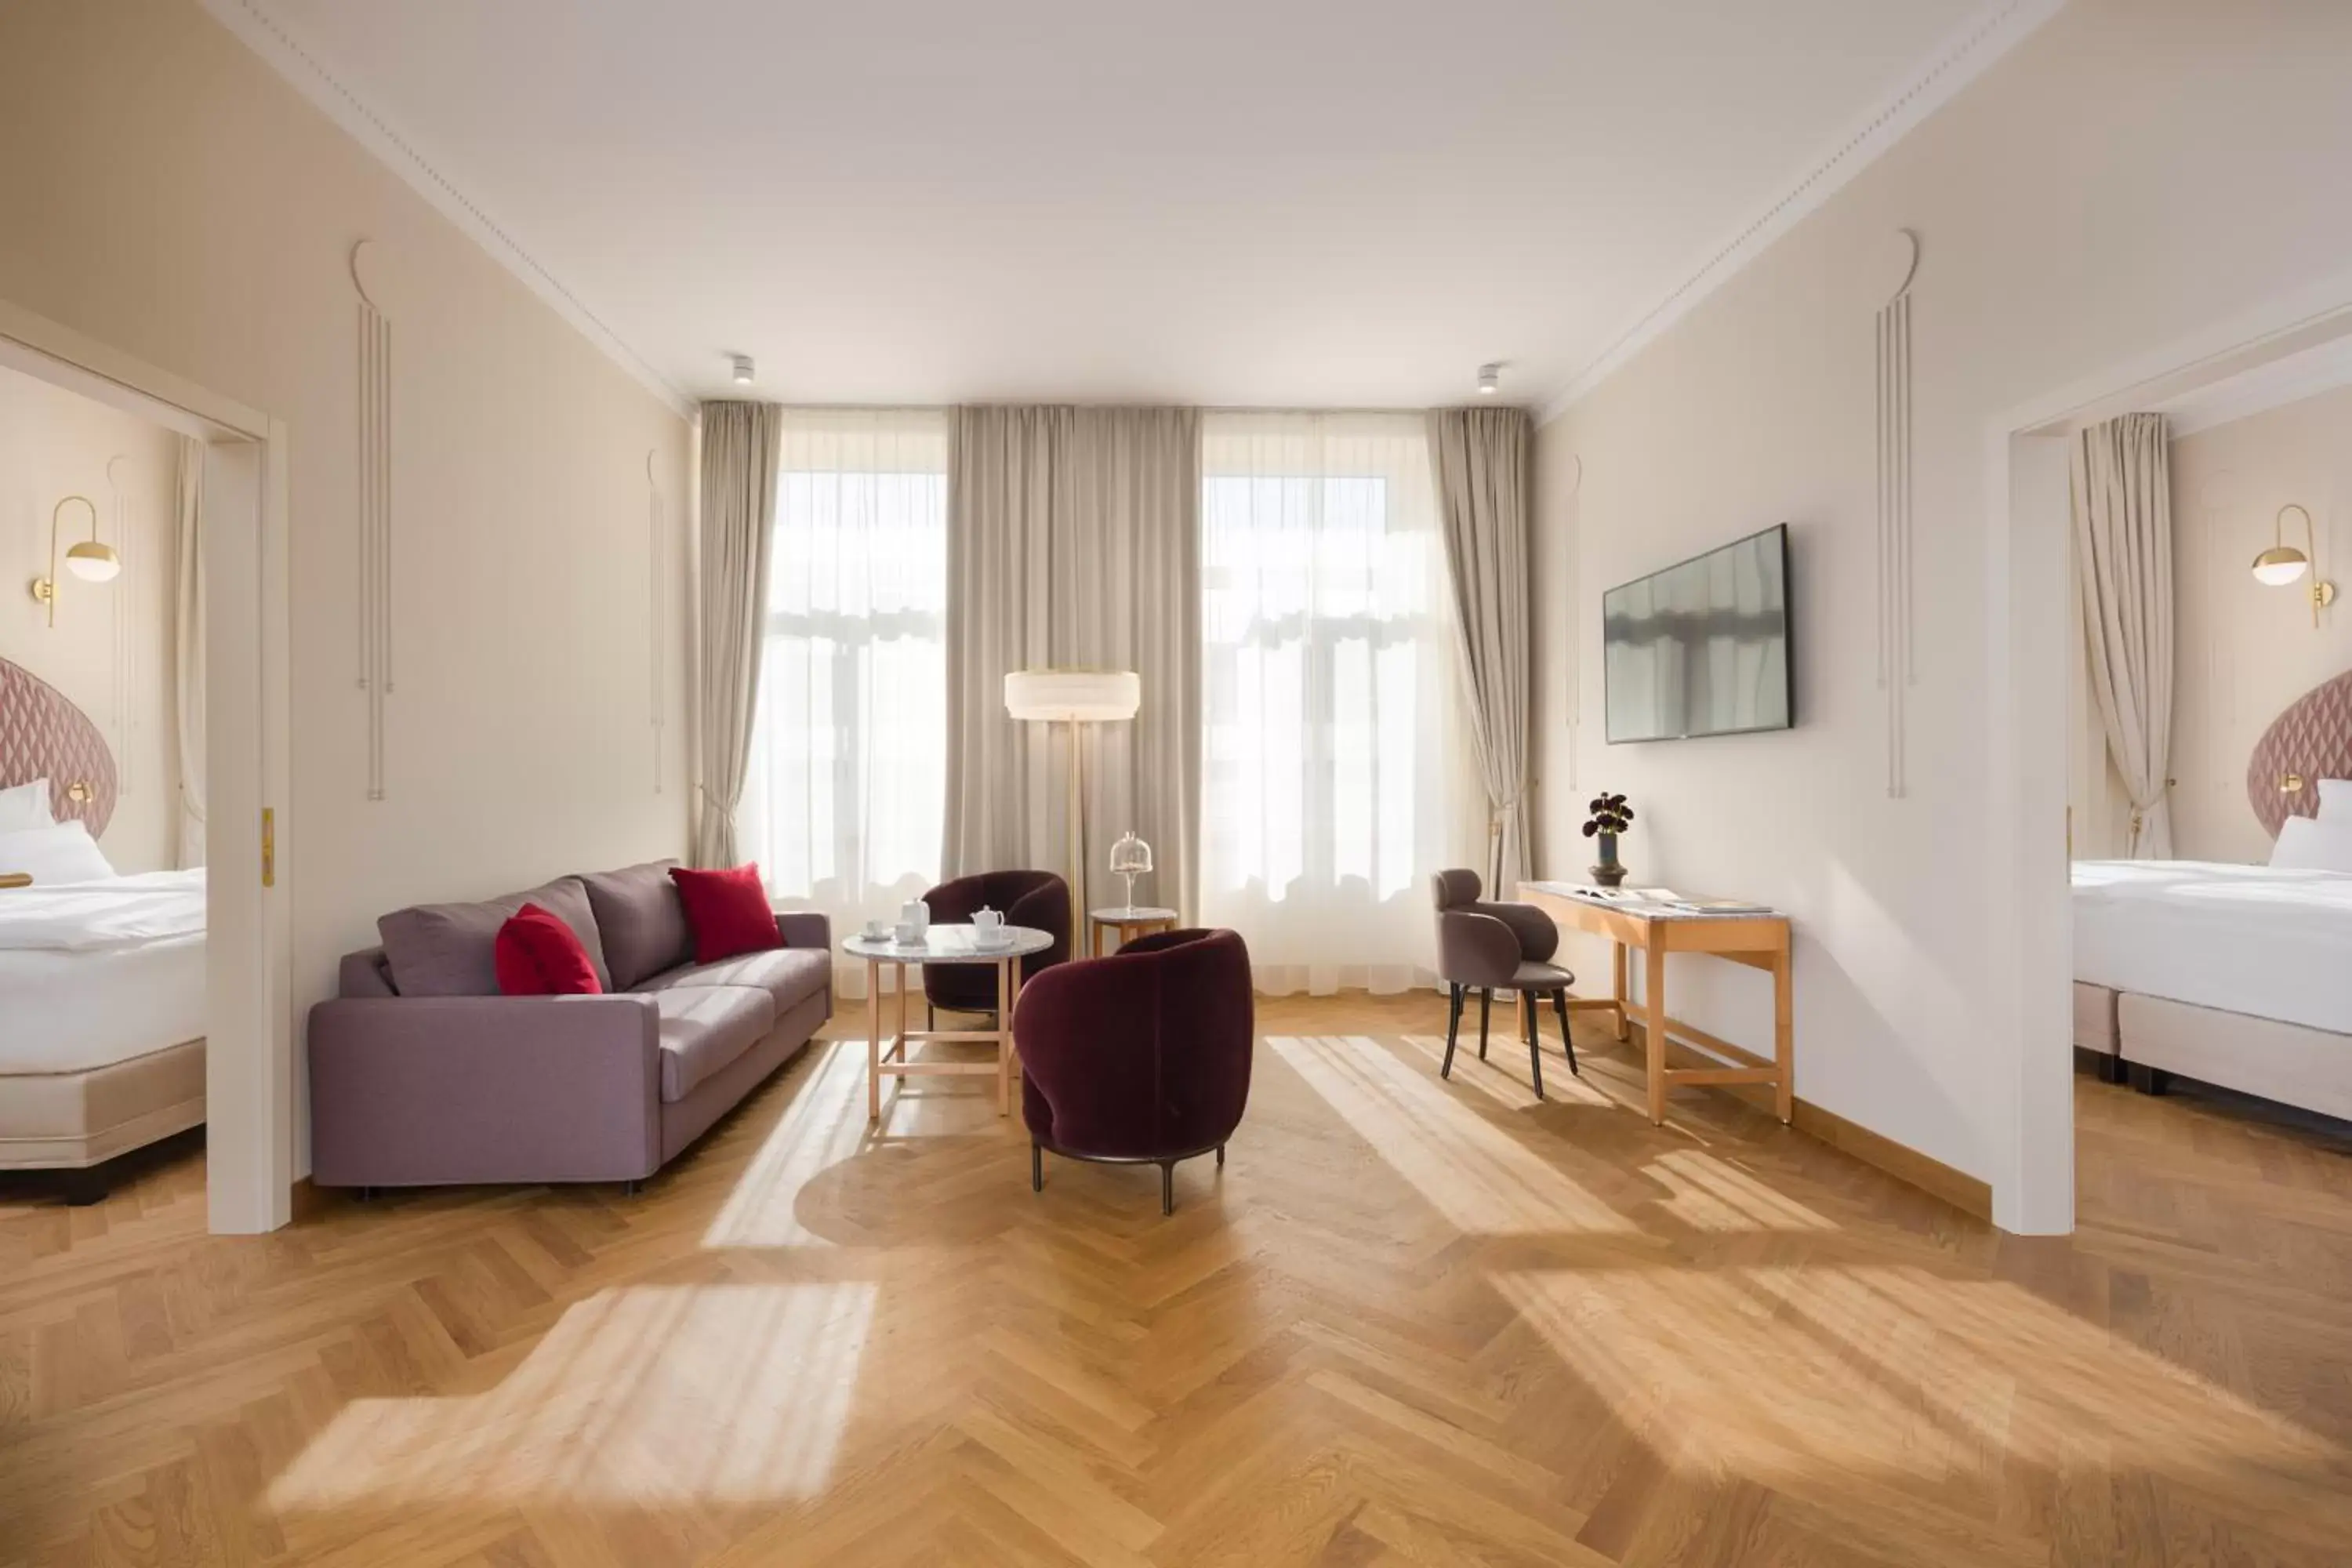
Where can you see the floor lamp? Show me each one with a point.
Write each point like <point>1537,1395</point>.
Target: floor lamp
<point>1073,697</point>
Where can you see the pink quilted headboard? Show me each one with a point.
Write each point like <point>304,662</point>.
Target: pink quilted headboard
<point>2310,741</point>
<point>42,735</point>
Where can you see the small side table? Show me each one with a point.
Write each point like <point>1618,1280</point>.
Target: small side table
<point>1130,923</point>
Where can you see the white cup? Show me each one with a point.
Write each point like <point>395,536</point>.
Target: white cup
<point>907,933</point>
<point>876,931</point>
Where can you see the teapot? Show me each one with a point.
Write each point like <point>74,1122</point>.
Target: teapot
<point>917,913</point>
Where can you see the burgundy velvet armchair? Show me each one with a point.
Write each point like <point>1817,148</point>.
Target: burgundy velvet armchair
<point>1039,899</point>
<point>1140,1059</point>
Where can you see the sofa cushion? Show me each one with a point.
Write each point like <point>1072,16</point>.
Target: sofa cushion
<point>789,975</point>
<point>642,922</point>
<point>727,910</point>
<point>539,955</point>
<point>703,1028</point>
<point>451,950</point>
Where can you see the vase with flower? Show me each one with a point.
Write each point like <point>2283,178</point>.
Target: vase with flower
<point>1611,816</point>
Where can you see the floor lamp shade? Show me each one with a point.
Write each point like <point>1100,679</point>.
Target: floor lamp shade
<point>1077,695</point>
<point>1073,697</point>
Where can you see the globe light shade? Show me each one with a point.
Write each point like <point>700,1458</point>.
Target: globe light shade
<point>2280,564</point>
<point>1073,696</point>
<point>93,562</point>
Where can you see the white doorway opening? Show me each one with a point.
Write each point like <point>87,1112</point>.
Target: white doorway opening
<point>248,1058</point>
<point>2029,992</point>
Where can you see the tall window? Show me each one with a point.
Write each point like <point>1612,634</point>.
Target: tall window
<point>1335,775</point>
<point>846,797</point>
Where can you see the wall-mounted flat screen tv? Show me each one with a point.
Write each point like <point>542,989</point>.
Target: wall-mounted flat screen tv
<point>1702,648</point>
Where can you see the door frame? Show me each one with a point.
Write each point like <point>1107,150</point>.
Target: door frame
<point>2029,992</point>
<point>249,1034</point>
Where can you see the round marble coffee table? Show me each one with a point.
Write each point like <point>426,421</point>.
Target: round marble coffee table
<point>886,1055</point>
<point>1131,921</point>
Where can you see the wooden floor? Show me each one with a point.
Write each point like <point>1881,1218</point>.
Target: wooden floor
<point>1410,1322</point>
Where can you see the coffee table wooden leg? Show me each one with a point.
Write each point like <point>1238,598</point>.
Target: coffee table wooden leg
<point>1784,1037</point>
<point>1003,1036</point>
<point>873,1040</point>
<point>1653,998</point>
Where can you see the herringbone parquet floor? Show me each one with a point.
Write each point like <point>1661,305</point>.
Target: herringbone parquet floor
<point>1410,1322</point>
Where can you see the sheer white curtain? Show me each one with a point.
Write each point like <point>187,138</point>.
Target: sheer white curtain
<point>1335,771</point>
<point>847,786</point>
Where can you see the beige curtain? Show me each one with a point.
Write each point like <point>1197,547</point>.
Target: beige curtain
<point>1074,541</point>
<point>1480,456</point>
<point>2123,559</point>
<point>741,443</point>
<point>188,651</point>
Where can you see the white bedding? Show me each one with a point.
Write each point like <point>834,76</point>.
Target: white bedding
<point>2241,939</point>
<point>95,972</point>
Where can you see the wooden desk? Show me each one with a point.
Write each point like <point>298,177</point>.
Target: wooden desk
<point>1759,941</point>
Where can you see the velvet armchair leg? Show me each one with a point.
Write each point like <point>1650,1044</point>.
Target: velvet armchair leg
<point>1486,1007</point>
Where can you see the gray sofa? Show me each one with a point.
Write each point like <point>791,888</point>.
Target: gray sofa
<point>422,1074</point>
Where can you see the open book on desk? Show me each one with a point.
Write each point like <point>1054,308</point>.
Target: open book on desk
<point>1654,901</point>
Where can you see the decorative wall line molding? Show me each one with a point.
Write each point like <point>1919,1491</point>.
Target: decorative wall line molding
<point>126,630</point>
<point>657,621</point>
<point>1962,58</point>
<point>375,514</point>
<point>267,37</point>
<point>1898,665</point>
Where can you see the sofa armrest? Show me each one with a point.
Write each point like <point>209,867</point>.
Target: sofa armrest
<point>423,1091</point>
<point>805,928</point>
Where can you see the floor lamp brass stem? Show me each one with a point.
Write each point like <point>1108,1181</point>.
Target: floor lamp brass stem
<point>1077,824</point>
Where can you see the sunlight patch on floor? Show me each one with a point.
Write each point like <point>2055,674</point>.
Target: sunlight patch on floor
<point>733,1393</point>
<point>1778,1373</point>
<point>1504,1078</point>
<point>1706,1193</point>
<point>1484,1181</point>
<point>825,1123</point>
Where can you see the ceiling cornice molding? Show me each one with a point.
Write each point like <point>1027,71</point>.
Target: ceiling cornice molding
<point>1963,57</point>
<point>308,75</point>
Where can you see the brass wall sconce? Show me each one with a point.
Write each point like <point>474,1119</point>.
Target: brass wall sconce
<point>2283,563</point>
<point>89,561</point>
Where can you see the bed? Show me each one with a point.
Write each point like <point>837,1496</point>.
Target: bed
<point>2233,974</point>
<point>2236,975</point>
<point>101,976</point>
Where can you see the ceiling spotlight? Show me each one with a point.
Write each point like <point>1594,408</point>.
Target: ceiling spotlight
<point>1490,379</point>
<point>743,372</point>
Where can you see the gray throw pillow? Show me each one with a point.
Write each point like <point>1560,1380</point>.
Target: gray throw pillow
<point>642,920</point>
<point>450,950</point>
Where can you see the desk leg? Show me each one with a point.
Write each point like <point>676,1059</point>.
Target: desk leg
<point>1654,1000</point>
<point>873,1039</point>
<point>1784,1037</point>
<point>1621,980</point>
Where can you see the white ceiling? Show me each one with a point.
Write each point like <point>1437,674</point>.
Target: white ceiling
<point>1309,203</point>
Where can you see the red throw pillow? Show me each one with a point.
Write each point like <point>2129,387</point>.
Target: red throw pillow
<point>538,955</point>
<point>728,912</point>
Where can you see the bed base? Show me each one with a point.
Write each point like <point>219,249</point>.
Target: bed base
<point>75,1124</point>
<point>2147,1040</point>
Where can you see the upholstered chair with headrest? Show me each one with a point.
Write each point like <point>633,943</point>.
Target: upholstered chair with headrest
<point>1486,947</point>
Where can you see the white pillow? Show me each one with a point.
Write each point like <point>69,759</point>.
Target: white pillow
<point>2336,800</point>
<point>2306,844</point>
<point>62,853</point>
<point>25,806</point>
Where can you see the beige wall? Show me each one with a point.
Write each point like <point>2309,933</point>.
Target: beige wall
<point>110,649</point>
<point>2247,651</point>
<point>164,193</point>
<point>2048,197</point>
